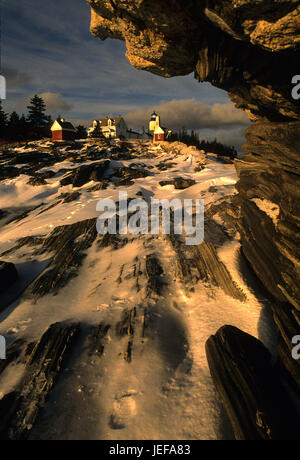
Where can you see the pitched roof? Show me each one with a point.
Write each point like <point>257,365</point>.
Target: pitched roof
<point>104,121</point>
<point>159,130</point>
<point>64,125</point>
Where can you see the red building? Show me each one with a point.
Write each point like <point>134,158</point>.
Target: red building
<point>62,130</point>
<point>159,134</point>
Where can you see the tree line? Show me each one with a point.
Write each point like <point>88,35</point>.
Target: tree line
<point>37,124</point>
<point>214,146</point>
<point>33,126</point>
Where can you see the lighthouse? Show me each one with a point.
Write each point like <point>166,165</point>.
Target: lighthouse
<point>154,122</point>
<point>155,128</point>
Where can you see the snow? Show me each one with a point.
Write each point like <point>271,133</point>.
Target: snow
<point>10,379</point>
<point>271,209</point>
<point>166,392</point>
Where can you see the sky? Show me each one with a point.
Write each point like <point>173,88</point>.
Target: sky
<point>47,49</point>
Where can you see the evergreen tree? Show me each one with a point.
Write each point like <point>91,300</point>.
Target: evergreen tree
<point>23,127</point>
<point>37,108</point>
<point>97,133</point>
<point>81,132</point>
<point>14,118</point>
<point>3,122</point>
<point>14,127</point>
<point>49,120</point>
<point>208,146</point>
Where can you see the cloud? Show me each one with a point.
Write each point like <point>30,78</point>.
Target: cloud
<point>55,103</point>
<point>190,114</point>
<point>96,80</point>
<point>15,78</point>
<point>79,121</point>
<point>218,121</point>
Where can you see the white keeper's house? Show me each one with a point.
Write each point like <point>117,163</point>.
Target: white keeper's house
<point>111,128</point>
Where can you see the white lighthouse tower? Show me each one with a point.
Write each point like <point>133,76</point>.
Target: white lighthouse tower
<point>154,122</point>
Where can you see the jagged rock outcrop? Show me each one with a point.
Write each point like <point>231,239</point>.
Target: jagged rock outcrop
<point>243,48</point>
<point>251,387</point>
<point>127,175</point>
<point>154,273</point>
<point>269,196</point>
<point>179,183</point>
<point>67,244</point>
<point>201,262</point>
<point>269,222</point>
<point>287,320</point>
<point>86,173</point>
<point>252,50</point>
<point>42,362</point>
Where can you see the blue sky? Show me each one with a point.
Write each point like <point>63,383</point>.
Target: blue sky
<point>47,49</point>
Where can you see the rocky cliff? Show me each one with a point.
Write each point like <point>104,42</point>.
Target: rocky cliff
<point>252,50</point>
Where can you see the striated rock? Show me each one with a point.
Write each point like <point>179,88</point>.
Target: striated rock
<point>251,388</point>
<point>81,176</point>
<point>154,272</point>
<point>269,193</point>
<point>179,183</point>
<point>249,50</point>
<point>269,223</point>
<point>96,338</point>
<point>19,410</point>
<point>8,275</point>
<point>150,32</point>
<point>273,25</point>
<point>35,158</point>
<point>165,165</point>
<point>212,269</point>
<point>128,174</point>
<point>67,245</point>
<point>91,172</point>
<point>44,366</point>
<point>126,326</point>
<point>201,262</point>
<point>69,197</point>
<point>256,80</point>
<point>40,178</point>
<point>86,173</point>
<point>37,181</point>
<point>287,321</point>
